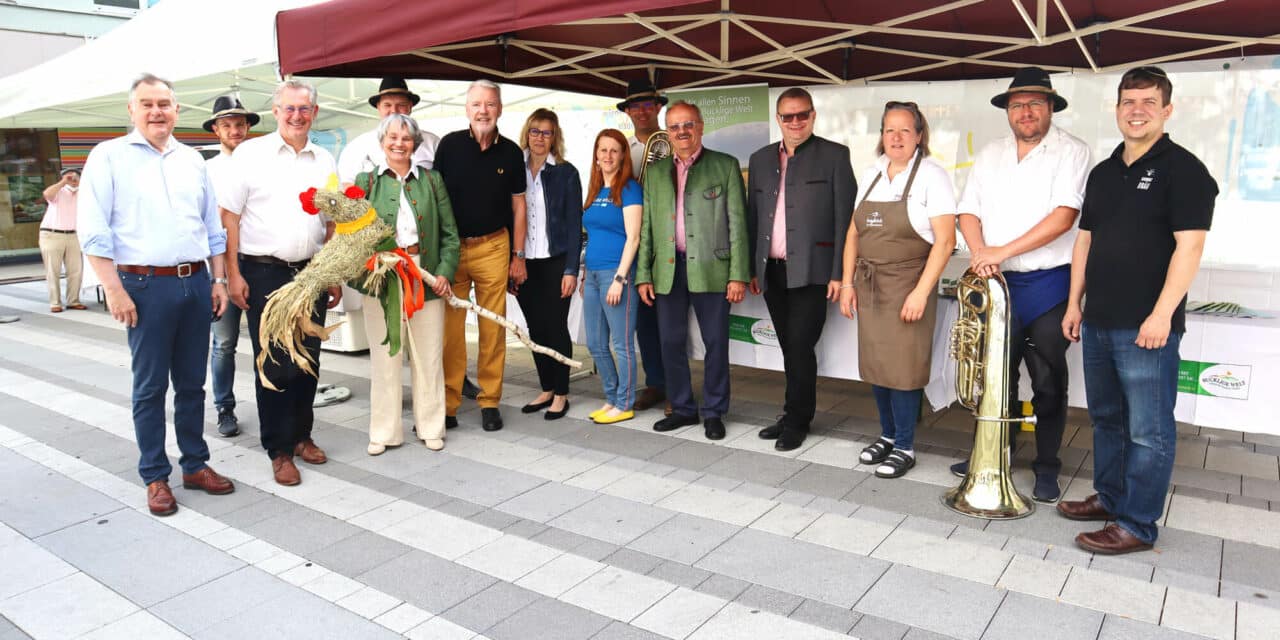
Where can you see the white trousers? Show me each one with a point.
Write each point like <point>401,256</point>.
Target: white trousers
<point>423,339</point>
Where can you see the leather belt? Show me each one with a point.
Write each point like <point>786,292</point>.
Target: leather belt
<point>487,236</point>
<point>184,270</point>
<point>58,230</point>
<point>274,261</point>
<point>781,261</point>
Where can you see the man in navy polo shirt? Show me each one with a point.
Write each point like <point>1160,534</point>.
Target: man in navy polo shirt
<point>1146,212</point>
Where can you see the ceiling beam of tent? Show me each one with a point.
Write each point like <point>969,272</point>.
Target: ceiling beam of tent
<point>1026,18</point>
<point>957,59</point>
<point>1042,18</point>
<point>423,53</point>
<point>535,50</point>
<point>1142,17</point>
<point>978,58</point>
<point>724,32</point>
<point>668,35</point>
<point>622,49</point>
<point>1186,54</point>
<point>778,46</point>
<point>1079,41</point>
<point>1214,37</point>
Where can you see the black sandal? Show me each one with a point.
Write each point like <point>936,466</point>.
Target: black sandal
<point>876,452</point>
<point>896,465</point>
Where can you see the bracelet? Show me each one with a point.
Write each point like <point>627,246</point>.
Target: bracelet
<point>846,286</point>
<point>221,281</point>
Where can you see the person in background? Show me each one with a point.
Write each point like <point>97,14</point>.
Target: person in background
<point>901,235</point>
<point>59,246</point>
<point>553,248</point>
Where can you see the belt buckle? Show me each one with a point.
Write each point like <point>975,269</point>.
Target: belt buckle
<point>184,270</point>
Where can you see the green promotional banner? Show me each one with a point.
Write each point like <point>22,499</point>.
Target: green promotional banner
<point>735,120</point>
<point>1214,379</point>
<point>752,330</point>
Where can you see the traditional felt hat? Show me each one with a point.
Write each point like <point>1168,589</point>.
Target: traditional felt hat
<point>391,85</point>
<point>228,105</point>
<point>1030,80</point>
<point>638,90</point>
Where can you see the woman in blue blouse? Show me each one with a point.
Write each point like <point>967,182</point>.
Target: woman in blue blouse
<point>611,215</point>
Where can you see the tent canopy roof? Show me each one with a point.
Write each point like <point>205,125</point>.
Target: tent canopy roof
<point>595,47</point>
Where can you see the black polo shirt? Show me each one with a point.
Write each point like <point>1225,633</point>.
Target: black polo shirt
<point>1132,213</point>
<point>480,183</point>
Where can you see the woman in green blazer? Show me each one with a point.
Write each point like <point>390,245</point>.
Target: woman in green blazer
<point>412,200</point>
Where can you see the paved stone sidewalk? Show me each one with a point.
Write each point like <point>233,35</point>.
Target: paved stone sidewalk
<point>567,529</point>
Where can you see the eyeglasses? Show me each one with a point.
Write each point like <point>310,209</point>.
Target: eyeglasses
<point>541,133</point>
<point>303,110</point>
<point>1034,105</point>
<point>802,116</point>
<point>683,126</point>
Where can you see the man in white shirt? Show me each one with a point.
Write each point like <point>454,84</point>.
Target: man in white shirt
<point>1018,216</point>
<point>231,123</point>
<point>275,239</point>
<point>364,153</point>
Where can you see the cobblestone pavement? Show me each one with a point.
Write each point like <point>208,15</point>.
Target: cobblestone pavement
<point>566,529</point>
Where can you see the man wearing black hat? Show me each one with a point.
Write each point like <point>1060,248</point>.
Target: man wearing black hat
<point>642,104</point>
<point>231,122</point>
<point>1018,216</point>
<point>364,152</point>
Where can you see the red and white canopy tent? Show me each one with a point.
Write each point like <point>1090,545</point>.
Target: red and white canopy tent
<point>596,46</point>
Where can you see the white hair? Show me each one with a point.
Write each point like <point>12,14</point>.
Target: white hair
<point>405,121</point>
<point>294,83</point>
<point>486,84</point>
<point>150,78</point>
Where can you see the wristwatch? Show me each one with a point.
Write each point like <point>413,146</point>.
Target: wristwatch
<point>517,254</point>
<point>620,279</point>
<point>221,281</point>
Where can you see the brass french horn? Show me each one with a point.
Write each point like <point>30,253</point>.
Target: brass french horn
<point>980,346</point>
<point>657,147</point>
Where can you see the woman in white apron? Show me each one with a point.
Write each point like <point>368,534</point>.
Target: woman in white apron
<point>902,233</point>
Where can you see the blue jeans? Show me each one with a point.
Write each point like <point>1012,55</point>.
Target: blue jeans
<point>170,342</point>
<point>1131,393</point>
<point>222,357</point>
<point>611,326</point>
<point>899,412</point>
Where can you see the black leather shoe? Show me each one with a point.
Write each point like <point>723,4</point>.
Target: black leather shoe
<point>450,422</point>
<point>960,469</point>
<point>675,421</point>
<point>490,419</point>
<point>469,389</point>
<point>790,439</point>
<point>714,428</point>
<point>534,407</point>
<point>556,415</point>
<point>772,431</point>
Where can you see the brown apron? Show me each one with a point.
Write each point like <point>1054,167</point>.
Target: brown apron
<point>891,258</point>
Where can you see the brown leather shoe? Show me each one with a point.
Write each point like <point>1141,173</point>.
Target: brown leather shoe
<point>1111,540</point>
<point>285,471</point>
<point>208,481</point>
<point>649,398</point>
<point>160,499</point>
<point>309,452</point>
<point>1088,509</point>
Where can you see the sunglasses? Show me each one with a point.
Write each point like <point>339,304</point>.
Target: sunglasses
<point>683,126</point>
<point>802,116</point>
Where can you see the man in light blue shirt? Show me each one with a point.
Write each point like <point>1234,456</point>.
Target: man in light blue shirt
<point>148,220</point>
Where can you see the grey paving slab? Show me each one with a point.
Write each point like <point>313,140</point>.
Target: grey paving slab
<point>758,467</point>
<point>771,600</point>
<point>620,631</point>
<point>871,627</point>
<point>1121,566</point>
<point>296,614</point>
<point>979,536</point>
<point>1196,492</point>
<point>359,553</point>
<point>837,506</point>
<point>36,500</point>
<point>491,606</point>
<point>795,567</point>
<point>907,497</point>
<point>1187,581</point>
<point>1118,628</point>
<point>722,482</point>
<point>494,518</point>
<point>1207,479</point>
<point>427,498</point>
<point>722,586</point>
<point>255,511</point>
<point>695,456</point>
<point>613,520</point>
<point>684,538</point>
<point>1069,555</point>
<point>1186,551</point>
<point>757,490</point>
<point>1045,525</point>
<point>916,633</point>
<point>1251,564</point>
<point>525,528</point>
<point>566,540</point>
<point>220,599</point>
<point>1256,503</point>
<point>938,603</point>
<point>919,523</point>
<point>219,506</point>
<point>1025,546</point>
<point>460,507</point>
<point>1251,594</point>
<point>633,560</point>
<point>426,581</point>
<point>825,481</point>
<point>1259,488</point>
<point>138,557</point>
<point>679,574</point>
<point>622,442</point>
<point>546,502</point>
<point>303,532</point>
<point>548,619</point>
<point>826,616</point>
<point>477,482</point>
<point>1024,616</point>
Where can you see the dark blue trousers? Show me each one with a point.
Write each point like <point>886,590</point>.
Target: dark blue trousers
<point>285,417</point>
<point>650,346</point>
<point>171,342</point>
<point>712,311</point>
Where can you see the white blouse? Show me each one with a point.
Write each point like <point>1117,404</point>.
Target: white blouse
<point>932,193</point>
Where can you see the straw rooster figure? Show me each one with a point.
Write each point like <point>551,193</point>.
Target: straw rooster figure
<point>286,319</point>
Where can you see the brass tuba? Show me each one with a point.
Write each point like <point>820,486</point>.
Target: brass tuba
<point>980,346</point>
<point>657,147</point>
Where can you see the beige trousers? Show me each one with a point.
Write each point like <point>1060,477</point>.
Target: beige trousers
<point>423,339</point>
<point>60,250</point>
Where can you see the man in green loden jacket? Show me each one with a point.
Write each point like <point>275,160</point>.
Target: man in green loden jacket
<point>694,253</point>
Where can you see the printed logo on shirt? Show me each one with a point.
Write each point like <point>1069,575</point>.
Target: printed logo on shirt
<point>874,219</point>
<point>1144,182</point>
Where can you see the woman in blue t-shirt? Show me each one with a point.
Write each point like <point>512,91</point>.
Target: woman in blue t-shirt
<point>611,216</point>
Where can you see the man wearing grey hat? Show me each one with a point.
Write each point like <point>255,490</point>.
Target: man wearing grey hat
<point>364,152</point>
<point>1018,216</point>
<point>230,122</point>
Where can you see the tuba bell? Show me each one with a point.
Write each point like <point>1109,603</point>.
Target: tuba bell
<point>657,147</point>
<point>980,345</point>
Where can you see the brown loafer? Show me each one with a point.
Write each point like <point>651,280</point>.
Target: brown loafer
<point>77,307</point>
<point>285,471</point>
<point>160,499</point>
<point>1111,540</point>
<point>55,309</point>
<point>208,481</point>
<point>309,452</point>
<point>1088,509</point>
<point>649,398</point>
